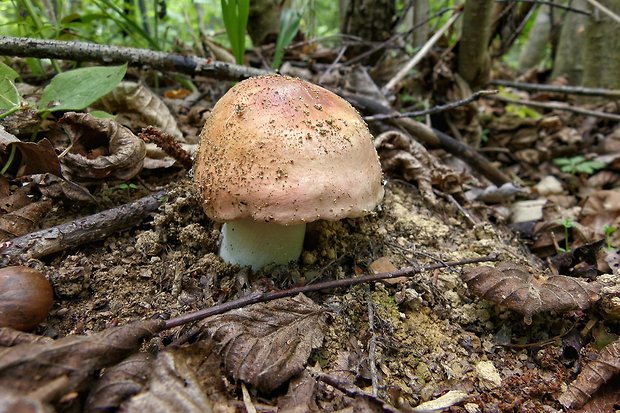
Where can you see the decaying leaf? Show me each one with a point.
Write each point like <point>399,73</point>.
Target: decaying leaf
<point>402,155</point>
<point>178,383</point>
<point>267,343</point>
<point>28,367</point>
<point>595,374</point>
<point>23,220</point>
<point>100,148</point>
<point>12,402</point>
<point>300,397</point>
<point>512,286</point>
<point>10,337</point>
<point>32,157</point>
<point>54,186</point>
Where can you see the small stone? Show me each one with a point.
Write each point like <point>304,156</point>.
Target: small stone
<point>488,375</point>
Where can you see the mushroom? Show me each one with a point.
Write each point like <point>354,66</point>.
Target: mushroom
<point>276,153</point>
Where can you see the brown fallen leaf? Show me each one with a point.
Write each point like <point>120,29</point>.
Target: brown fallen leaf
<point>34,157</point>
<point>10,337</point>
<point>594,375</point>
<point>266,344</point>
<point>23,220</point>
<point>300,397</point>
<point>512,286</point>
<point>11,402</point>
<point>100,148</point>
<point>182,380</point>
<point>28,367</point>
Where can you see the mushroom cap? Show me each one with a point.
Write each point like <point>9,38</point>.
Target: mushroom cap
<point>280,149</point>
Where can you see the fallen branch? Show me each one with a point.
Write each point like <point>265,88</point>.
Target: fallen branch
<point>556,106</point>
<point>92,52</point>
<point>433,110</point>
<point>569,90</point>
<point>605,10</point>
<point>78,232</point>
<point>432,137</point>
<point>258,297</point>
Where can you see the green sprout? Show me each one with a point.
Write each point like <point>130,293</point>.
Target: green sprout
<point>579,165</point>
<point>567,223</point>
<point>126,187</point>
<point>235,15</point>
<point>608,230</point>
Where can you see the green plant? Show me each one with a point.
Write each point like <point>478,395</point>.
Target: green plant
<point>567,223</point>
<point>609,230</point>
<point>289,26</point>
<point>125,186</point>
<point>579,164</point>
<point>235,14</point>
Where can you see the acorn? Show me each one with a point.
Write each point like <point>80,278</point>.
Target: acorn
<point>26,298</point>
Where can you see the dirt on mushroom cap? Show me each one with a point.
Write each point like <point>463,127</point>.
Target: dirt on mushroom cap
<point>283,150</point>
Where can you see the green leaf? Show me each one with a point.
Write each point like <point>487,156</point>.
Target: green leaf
<point>289,25</point>
<point>9,96</point>
<point>102,114</point>
<point>8,72</point>
<point>76,89</point>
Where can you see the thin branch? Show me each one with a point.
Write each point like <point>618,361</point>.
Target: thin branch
<point>548,3</point>
<point>570,90</point>
<point>433,110</point>
<point>91,52</point>
<point>605,10</point>
<point>258,297</point>
<point>389,87</point>
<point>372,345</point>
<point>556,106</point>
<point>80,231</point>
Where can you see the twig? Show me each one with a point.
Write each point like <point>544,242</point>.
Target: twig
<point>92,52</point>
<point>389,87</point>
<point>571,90</point>
<point>472,219</point>
<point>605,10</point>
<point>547,3</point>
<point>333,64</point>
<point>372,346</point>
<point>80,231</point>
<point>431,137</point>
<point>258,297</point>
<point>434,109</point>
<point>556,106</point>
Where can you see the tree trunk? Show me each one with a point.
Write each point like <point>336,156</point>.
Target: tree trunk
<point>264,21</point>
<point>601,53</point>
<point>538,39</point>
<point>474,62</point>
<point>420,22</point>
<point>370,20</point>
<point>569,56</point>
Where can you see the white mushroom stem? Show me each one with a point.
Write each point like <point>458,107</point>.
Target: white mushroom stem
<point>255,243</point>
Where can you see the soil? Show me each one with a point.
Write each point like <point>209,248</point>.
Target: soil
<point>429,334</point>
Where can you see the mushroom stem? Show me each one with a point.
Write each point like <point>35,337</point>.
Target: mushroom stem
<point>255,243</point>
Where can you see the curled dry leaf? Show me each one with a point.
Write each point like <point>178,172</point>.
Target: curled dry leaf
<point>267,343</point>
<point>402,155</point>
<point>100,148</point>
<point>512,286</point>
<point>10,337</point>
<point>34,157</point>
<point>28,367</point>
<point>137,107</point>
<point>594,375</point>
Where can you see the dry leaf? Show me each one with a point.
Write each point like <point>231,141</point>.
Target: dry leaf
<point>100,148</point>
<point>39,157</point>
<point>267,343</point>
<point>54,186</point>
<point>594,375</point>
<point>403,155</point>
<point>27,367</point>
<point>183,380</point>
<point>512,286</point>
<point>11,402</point>
<point>10,337</point>
<point>300,397</point>
<point>23,220</point>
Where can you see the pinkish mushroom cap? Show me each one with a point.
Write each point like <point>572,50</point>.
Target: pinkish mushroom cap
<point>282,150</point>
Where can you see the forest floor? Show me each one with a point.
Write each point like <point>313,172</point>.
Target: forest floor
<point>382,346</point>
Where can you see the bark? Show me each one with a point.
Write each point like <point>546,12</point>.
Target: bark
<point>569,56</point>
<point>601,54</point>
<point>264,21</point>
<point>538,39</point>
<point>474,62</point>
<point>370,20</point>
<point>91,52</point>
